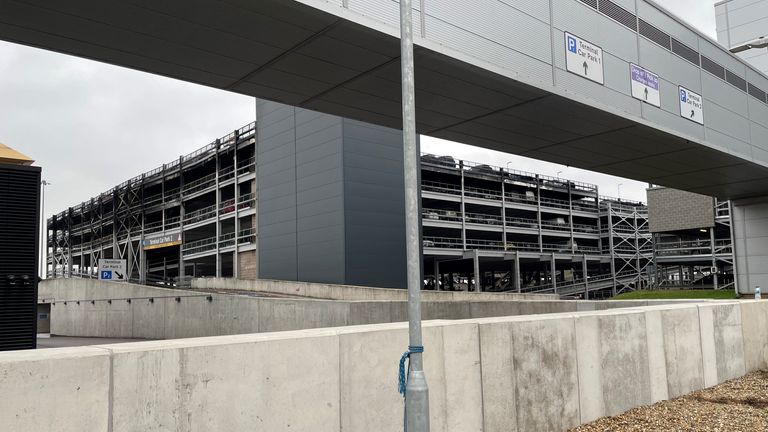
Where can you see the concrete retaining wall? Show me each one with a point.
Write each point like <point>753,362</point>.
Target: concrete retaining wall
<point>193,315</point>
<point>531,373</point>
<point>351,292</point>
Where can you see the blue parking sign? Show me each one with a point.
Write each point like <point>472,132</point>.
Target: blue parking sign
<point>106,274</point>
<point>572,44</point>
<point>683,95</point>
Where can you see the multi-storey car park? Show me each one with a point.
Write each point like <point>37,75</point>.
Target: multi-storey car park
<point>515,227</point>
<point>196,217</point>
<point>693,240</point>
<point>207,198</point>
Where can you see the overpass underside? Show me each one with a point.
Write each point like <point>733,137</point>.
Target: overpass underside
<point>487,74</point>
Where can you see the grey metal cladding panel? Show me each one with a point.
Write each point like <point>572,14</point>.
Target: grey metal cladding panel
<point>735,147</point>
<point>740,15</point>
<point>669,66</point>
<point>725,121</point>
<point>758,112</point>
<point>374,205</point>
<point>757,79</point>
<point>269,178</point>
<point>596,92</point>
<point>386,11</point>
<point>576,18</point>
<point>274,199</point>
<point>748,32</point>
<point>265,108</point>
<point>309,123</point>
<point>329,205</point>
<point>321,178</point>
<point>717,54</point>
<point>759,62</point>
<point>669,97</point>
<point>318,159</point>
<point>354,127</point>
<point>498,22</point>
<point>488,51</point>
<point>277,217</point>
<point>318,193</point>
<point>275,131</point>
<point>722,37</point>
<point>759,138</point>
<point>724,94</point>
<point>377,158</point>
<point>277,191</point>
<point>661,21</point>
<point>672,120</point>
<point>321,227</point>
<point>321,262</point>
<point>536,8</point>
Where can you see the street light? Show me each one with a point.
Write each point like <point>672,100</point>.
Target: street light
<point>758,43</point>
<point>44,227</point>
<point>558,174</point>
<point>414,385</point>
<point>618,188</point>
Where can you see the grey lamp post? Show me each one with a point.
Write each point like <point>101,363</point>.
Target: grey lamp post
<point>416,391</point>
<point>758,43</point>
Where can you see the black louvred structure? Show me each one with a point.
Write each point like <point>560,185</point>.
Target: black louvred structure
<point>19,224</point>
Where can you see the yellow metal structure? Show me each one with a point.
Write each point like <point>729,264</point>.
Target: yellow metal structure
<point>11,156</point>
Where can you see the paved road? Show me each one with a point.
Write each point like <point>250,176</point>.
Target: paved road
<point>66,341</point>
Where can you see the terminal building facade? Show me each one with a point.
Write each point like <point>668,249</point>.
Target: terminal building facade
<point>263,202</point>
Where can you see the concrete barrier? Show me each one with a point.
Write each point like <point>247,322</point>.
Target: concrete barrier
<point>525,373</point>
<point>81,307</point>
<point>352,292</point>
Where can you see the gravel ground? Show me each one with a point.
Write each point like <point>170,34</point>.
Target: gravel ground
<point>740,405</point>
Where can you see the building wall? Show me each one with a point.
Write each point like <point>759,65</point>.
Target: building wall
<point>276,157</point>
<point>248,264</point>
<point>331,199</point>
<point>740,21</point>
<point>750,240</point>
<point>374,205</point>
<point>673,210</point>
<point>301,222</point>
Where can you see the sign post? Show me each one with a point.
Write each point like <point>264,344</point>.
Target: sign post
<point>584,58</point>
<point>113,270</point>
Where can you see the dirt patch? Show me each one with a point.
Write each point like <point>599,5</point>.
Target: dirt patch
<point>740,405</point>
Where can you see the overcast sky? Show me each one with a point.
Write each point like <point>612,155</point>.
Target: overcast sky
<point>92,126</point>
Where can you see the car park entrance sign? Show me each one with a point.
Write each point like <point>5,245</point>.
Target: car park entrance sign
<point>645,85</point>
<point>112,270</point>
<point>691,106</point>
<point>583,58</point>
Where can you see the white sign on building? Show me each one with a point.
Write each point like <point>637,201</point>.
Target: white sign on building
<point>691,106</point>
<point>112,270</point>
<point>583,58</point>
<point>645,85</point>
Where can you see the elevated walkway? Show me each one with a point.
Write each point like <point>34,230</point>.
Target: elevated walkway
<point>492,74</point>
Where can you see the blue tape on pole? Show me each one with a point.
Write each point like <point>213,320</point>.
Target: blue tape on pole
<point>402,375</point>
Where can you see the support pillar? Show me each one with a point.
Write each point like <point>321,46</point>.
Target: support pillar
<point>476,266</point>
<point>585,276</point>
<point>553,272</point>
<point>516,277</point>
<point>436,272</point>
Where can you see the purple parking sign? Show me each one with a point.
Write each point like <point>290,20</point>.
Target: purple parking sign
<point>645,85</point>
